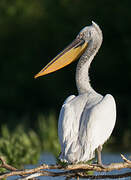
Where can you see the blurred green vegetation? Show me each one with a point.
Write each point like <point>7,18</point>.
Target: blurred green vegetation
<point>23,145</point>
<point>19,147</point>
<point>33,32</point>
<point>47,132</point>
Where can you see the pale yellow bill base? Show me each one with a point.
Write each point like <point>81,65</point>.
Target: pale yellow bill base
<point>68,55</point>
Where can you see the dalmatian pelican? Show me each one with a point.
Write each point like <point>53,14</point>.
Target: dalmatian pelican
<point>86,121</point>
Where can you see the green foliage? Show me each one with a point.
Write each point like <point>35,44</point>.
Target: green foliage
<point>62,163</point>
<point>47,131</point>
<point>23,146</point>
<point>19,147</point>
<point>33,32</point>
<point>20,9</point>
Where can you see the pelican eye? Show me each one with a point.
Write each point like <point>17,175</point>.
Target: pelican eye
<point>80,36</point>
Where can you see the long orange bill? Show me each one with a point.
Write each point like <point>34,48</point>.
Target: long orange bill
<point>67,56</point>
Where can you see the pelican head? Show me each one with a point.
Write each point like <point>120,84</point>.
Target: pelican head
<point>90,33</point>
<point>87,36</point>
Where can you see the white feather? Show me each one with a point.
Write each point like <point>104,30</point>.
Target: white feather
<point>85,122</point>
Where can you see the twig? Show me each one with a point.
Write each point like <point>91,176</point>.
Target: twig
<point>75,170</point>
<point>6,166</point>
<point>32,176</point>
<point>126,160</point>
<point>70,174</point>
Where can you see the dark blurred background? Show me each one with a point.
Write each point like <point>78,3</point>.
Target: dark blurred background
<point>33,32</point>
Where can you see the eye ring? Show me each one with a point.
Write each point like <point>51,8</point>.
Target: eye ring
<point>80,35</point>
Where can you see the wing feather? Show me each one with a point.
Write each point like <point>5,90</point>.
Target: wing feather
<point>97,124</point>
<point>85,122</point>
<point>68,125</point>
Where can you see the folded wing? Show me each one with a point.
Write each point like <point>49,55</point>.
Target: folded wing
<point>85,122</point>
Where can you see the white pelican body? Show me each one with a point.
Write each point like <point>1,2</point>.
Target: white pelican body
<point>86,121</point>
